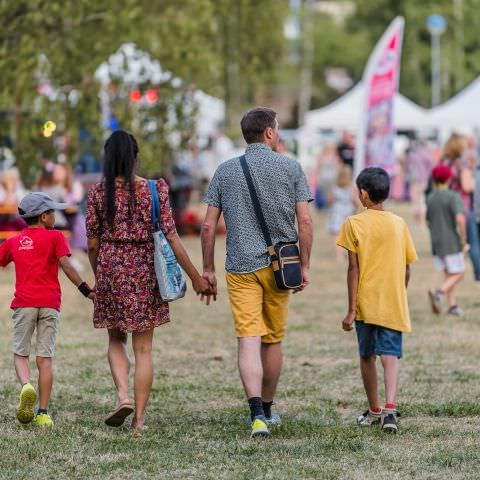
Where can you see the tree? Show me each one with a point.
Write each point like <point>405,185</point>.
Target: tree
<point>229,48</point>
<point>74,37</point>
<point>460,44</point>
<point>336,46</point>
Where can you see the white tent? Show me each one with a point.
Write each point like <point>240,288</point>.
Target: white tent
<point>460,112</point>
<point>346,113</point>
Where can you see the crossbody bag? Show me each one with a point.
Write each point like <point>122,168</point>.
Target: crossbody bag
<point>284,256</point>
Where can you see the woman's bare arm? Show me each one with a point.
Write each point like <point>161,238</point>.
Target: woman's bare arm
<point>93,249</point>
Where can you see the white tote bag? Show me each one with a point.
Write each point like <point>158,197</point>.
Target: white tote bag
<point>170,277</point>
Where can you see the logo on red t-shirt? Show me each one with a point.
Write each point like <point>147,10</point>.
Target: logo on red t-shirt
<point>26,243</point>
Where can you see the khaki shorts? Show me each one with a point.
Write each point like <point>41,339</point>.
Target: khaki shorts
<point>24,322</point>
<point>259,307</point>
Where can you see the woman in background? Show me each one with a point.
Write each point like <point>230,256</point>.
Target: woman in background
<point>74,195</point>
<point>463,183</point>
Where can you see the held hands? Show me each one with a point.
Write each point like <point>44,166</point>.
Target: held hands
<point>203,287</point>
<point>347,323</point>
<point>211,279</point>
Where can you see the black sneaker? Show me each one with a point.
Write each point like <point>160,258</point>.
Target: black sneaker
<point>389,421</point>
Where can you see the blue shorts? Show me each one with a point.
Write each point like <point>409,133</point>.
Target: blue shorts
<point>377,340</point>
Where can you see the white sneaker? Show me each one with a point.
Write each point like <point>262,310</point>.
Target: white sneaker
<point>369,418</point>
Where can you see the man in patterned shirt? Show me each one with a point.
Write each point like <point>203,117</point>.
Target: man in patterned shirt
<point>259,308</point>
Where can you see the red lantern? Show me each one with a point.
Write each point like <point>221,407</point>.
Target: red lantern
<point>152,96</point>
<point>135,95</point>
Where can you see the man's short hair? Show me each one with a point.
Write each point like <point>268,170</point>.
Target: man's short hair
<point>376,182</point>
<point>256,121</point>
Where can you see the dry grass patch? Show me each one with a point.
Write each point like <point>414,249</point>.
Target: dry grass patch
<point>197,415</point>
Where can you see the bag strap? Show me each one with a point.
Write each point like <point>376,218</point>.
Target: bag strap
<point>257,207</point>
<point>156,213</point>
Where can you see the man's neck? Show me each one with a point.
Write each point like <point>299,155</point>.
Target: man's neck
<point>261,143</point>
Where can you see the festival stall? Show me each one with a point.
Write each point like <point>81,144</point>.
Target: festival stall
<point>346,113</point>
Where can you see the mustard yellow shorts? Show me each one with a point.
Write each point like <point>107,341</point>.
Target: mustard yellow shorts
<point>259,307</point>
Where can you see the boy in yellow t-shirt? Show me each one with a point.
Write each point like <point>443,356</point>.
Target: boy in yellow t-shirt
<point>380,251</point>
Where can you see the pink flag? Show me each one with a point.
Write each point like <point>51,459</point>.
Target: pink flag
<point>380,80</point>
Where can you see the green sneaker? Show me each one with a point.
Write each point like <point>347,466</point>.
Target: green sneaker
<point>259,427</point>
<point>43,420</point>
<point>28,397</point>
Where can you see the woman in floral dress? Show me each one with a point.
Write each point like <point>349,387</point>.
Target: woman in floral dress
<point>120,249</point>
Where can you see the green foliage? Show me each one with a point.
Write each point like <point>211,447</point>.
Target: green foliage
<point>338,47</point>
<point>221,46</point>
<point>460,45</point>
<point>233,49</point>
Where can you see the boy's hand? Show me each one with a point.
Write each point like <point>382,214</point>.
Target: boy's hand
<point>466,247</point>
<point>347,323</point>
<point>91,296</point>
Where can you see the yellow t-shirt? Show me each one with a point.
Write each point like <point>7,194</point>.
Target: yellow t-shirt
<point>384,247</point>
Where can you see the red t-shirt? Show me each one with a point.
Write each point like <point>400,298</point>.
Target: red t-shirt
<point>35,253</point>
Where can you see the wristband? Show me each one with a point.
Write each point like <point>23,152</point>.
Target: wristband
<point>85,290</point>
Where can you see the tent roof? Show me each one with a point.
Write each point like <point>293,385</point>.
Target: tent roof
<point>459,111</point>
<point>346,112</point>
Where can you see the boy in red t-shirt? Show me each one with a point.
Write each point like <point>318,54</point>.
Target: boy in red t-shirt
<point>36,252</point>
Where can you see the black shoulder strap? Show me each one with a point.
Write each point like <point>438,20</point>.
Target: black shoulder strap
<point>256,205</point>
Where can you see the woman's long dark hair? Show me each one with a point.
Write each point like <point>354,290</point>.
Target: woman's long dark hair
<point>121,151</point>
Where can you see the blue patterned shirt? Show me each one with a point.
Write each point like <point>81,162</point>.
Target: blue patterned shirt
<point>280,184</point>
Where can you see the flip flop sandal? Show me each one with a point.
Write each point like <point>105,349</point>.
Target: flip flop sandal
<point>138,432</point>
<point>118,416</point>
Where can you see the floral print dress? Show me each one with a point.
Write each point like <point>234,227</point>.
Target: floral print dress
<point>127,295</point>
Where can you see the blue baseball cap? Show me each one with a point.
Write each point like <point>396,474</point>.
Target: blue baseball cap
<point>36,203</point>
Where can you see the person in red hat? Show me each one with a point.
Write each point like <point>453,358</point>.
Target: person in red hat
<point>446,222</point>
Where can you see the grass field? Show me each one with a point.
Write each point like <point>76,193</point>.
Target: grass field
<point>197,414</point>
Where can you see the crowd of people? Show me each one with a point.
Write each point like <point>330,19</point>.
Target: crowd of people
<point>116,228</point>
<point>413,182</point>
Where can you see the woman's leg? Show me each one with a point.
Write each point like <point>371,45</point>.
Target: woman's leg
<point>142,349</point>
<point>119,361</point>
